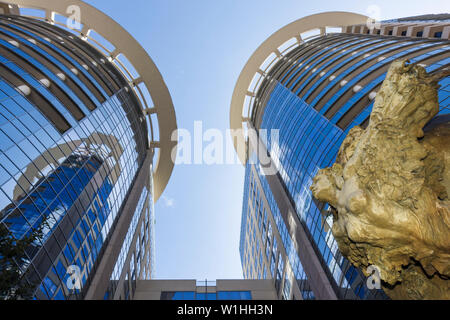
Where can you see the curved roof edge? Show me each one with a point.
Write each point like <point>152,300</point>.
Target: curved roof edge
<point>265,50</point>
<point>93,19</point>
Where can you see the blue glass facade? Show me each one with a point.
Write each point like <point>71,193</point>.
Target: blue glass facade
<point>72,142</point>
<point>136,262</point>
<point>314,97</point>
<point>308,142</point>
<point>219,295</point>
<point>261,226</point>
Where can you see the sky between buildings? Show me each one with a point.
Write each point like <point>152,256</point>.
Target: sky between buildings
<point>200,48</point>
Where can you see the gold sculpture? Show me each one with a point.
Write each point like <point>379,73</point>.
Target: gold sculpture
<point>390,188</point>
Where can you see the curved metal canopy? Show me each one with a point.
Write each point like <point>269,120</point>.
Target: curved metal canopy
<point>243,95</point>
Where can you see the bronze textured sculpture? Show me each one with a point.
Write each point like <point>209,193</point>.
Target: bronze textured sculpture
<point>390,189</point>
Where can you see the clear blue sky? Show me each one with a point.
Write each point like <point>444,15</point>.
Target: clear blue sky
<point>200,47</point>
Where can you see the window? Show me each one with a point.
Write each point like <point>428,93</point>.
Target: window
<point>287,287</point>
<point>234,295</point>
<point>59,295</point>
<point>180,295</point>
<point>50,285</point>
<point>206,296</point>
<point>272,266</point>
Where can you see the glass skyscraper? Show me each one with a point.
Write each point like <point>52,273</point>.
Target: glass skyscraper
<point>79,149</point>
<point>313,81</point>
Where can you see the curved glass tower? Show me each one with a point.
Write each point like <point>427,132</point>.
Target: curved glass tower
<point>77,149</point>
<point>312,91</point>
